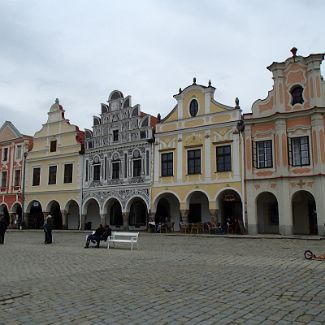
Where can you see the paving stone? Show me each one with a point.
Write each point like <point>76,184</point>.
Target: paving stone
<point>172,279</point>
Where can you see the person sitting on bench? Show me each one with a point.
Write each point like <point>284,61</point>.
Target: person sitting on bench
<point>107,232</point>
<point>95,237</point>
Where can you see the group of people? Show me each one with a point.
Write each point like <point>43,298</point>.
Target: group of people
<point>101,233</point>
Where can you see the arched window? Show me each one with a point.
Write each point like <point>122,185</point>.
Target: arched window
<point>296,93</point>
<point>194,107</point>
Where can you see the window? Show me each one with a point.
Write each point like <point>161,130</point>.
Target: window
<point>115,135</point>
<point>115,170</point>
<point>223,158</point>
<point>194,107</point>
<point>36,176</point>
<point>68,169</point>
<point>264,154</point>
<point>167,164</point>
<point>5,154</point>
<point>18,152</point>
<point>299,151</point>
<point>143,134</point>
<point>296,93</point>
<point>17,177</point>
<point>53,146</point>
<point>4,180</point>
<point>52,175</point>
<point>97,172</point>
<point>194,161</point>
<point>136,167</point>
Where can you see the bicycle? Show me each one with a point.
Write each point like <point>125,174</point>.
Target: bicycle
<point>309,255</point>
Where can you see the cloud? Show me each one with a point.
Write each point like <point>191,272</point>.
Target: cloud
<point>80,51</point>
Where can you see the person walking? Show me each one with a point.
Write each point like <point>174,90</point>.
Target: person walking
<point>4,223</point>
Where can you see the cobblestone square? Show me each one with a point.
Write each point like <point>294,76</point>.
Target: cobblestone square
<point>171,279</point>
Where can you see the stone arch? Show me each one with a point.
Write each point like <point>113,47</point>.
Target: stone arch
<point>73,215</point>
<point>230,210</point>
<point>167,209</point>
<point>157,198</point>
<point>197,204</point>
<point>17,212</point>
<point>91,210</point>
<point>267,213</point>
<point>304,213</point>
<point>4,210</point>
<point>138,213</point>
<point>113,211</point>
<point>53,208</point>
<point>35,216</point>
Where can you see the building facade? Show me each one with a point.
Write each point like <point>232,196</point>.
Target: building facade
<point>285,151</point>
<point>198,161</point>
<point>13,146</point>
<point>53,179</point>
<point>117,173</point>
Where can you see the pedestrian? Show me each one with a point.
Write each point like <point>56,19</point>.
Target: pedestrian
<point>4,223</point>
<point>95,236</point>
<point>47,226</point>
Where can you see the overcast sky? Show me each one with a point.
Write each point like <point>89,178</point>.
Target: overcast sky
<point>79,51</point>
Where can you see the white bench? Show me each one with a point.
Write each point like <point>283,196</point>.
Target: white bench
<point>123,237</point>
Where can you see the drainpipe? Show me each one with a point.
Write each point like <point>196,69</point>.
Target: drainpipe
<point>23,191</point>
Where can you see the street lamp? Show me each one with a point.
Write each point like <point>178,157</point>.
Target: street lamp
<point>240,129</point>
<point>23,191</point>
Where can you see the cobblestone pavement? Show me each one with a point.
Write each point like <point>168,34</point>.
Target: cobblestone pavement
<point>171,279</point>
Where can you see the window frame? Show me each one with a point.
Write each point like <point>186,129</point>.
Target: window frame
<point>257,161</point>
<point>5,154</point>
<point>223,156</point>
<point>17,184</point>
<point>292,152</point>
<point>136,168</point>
<point>115,135</point>
<point>96,172</point>
<point>68,175</point>
<point>52,176</point>
<point>36,180</point>
<point>196,169</point>
<point>53,145</point>
<point>20,151</point>
<point>193,114</point>
<point>4,179</point>
<point>295,99</point>
<point>116,170</point>
<point>167,165</point>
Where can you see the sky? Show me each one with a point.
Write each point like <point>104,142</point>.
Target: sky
<point>80,51</point>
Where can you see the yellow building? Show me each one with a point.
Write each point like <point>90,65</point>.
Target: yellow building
<point>53,180</point>
<point>198,161</point>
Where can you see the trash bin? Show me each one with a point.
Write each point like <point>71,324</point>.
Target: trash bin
<point>88,225</point>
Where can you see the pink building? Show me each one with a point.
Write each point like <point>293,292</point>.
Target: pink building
<point>13,145</point>
<point>285,151</point>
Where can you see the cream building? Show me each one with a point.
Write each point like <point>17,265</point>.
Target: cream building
<point>285,151</point>
<point>198,160</point>
<point>53,179</point>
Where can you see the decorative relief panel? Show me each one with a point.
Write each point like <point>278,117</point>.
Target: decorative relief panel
<point>123,195</point>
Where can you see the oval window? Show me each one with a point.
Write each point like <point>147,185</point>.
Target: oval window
<point>194,107</point>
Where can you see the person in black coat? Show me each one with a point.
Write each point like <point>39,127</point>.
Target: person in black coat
<point>4,223</point>
<point>48,229</point>
<point>95,237</point>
